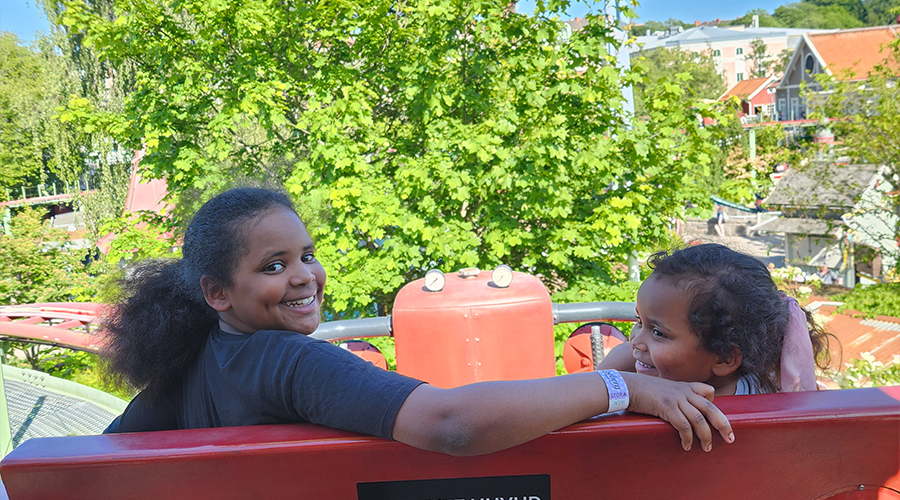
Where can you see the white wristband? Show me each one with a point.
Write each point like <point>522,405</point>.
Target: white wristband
<point>618,391</point>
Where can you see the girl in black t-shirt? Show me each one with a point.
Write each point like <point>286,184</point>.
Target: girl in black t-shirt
<point>249,265</point>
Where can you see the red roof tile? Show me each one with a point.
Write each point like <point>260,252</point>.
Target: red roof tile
<point>879,337</point>
<point>857,50</point>
<point>744,88</point>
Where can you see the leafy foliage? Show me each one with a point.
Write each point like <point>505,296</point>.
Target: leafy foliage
<point>813,16</point>
<point>37,264</point>
<point>662,64</point>
<point>874,300</point>
<point>432,135</point>
<point>760,60</point>
<point>867,372</point>
<point>34,148</point>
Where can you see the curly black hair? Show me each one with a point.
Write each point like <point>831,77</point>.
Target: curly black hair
<point>161,320</point>
<point>736,304</point>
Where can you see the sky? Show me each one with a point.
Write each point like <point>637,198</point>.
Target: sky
<point>24,17</point>
<point>684,10</point>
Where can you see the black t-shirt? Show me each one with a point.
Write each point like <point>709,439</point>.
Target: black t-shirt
<point>273,377</point>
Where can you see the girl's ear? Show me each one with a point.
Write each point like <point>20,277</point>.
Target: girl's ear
<point>726,365</point>
<point>214,293</point>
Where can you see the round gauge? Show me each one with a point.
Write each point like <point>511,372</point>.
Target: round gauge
<point>434,280</point>
<point>502,276</point>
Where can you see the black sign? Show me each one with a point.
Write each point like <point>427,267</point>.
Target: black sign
<point>533,487</point>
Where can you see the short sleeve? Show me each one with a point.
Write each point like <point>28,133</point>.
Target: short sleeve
<point>338,389</point>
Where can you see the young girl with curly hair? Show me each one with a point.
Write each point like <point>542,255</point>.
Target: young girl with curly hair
<point>713,315</point>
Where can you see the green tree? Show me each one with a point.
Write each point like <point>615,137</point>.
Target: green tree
<point>760,60</point>
<point>33,147</point>
<point>812,16</point>
<point>779,66</point>
<point>38,264</point>
<point>663,64</point>
<point>435,134</point>
<point>766,20</point>
<point>855,8</point>
<point>881,12</point>
<point>87,154</point>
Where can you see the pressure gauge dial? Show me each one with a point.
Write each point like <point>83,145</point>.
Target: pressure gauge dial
<point>502,276</point>
<point>434,280</point>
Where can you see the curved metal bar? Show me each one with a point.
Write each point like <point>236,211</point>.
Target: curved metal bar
<point>354,328</point>
<point>593,311</point>
<point>562,313</point>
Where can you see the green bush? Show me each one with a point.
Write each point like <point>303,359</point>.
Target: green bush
<point>867,372</point>
<point>874,300</point>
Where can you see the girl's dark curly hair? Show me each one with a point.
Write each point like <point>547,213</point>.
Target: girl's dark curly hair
<point>736,305</point>
<point>155,331</point>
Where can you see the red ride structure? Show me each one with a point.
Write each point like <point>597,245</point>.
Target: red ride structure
<point>470,327</point>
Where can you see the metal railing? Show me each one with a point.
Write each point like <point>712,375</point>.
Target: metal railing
<point>562,313</point>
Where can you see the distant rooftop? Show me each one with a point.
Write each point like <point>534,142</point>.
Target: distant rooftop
<point>856,50</point>
<point>822,185</point>
<point>746,88</point>
<point>710,34</point>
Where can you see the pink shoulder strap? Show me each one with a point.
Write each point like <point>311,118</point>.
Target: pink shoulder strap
<point>798,368</point>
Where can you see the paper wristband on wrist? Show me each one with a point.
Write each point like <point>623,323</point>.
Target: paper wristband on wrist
<point>618,391</point>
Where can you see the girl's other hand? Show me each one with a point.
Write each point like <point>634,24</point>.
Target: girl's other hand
<point>687,406</point>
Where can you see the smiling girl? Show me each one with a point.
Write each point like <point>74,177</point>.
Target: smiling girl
<point>220,338</point>
<point>710,314</point>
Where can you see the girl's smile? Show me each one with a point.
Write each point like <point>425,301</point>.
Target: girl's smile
<point>278,284</point>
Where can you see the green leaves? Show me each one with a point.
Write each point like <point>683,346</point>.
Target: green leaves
<point>435,135</point>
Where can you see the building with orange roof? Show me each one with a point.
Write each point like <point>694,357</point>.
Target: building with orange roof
<point>757,96</point>
<point>846,55</point>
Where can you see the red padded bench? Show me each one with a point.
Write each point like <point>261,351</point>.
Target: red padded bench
<point>820,445</point>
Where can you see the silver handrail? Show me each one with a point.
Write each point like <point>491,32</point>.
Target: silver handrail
<point>562,313</point>
<point>593,311</point>
<point>354,328</point>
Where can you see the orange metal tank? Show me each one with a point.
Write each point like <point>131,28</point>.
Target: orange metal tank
<point>497,333</point>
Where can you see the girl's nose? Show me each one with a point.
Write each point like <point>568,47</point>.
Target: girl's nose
<point>302,276</point>
<point>635,338</point>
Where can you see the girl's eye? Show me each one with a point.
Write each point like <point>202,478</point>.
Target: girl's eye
<point>275,267</point>
<point>659,334</point>
<point>307,258</point>
<point>637,320</point>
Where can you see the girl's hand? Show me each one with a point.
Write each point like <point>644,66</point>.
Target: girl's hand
<point>687,406</point>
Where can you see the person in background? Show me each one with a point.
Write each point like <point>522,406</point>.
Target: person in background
<point>827,276</point>
<point>720,221</point>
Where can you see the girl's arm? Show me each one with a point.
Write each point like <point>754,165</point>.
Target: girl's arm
<point>491,416</point>
<point>619,358</point>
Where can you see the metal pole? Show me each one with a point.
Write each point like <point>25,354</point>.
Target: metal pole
<point>752,143</point>
<point>596,345</point>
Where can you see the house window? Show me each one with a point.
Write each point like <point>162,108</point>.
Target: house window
<point>740,77</point>
<point>717,53</point>
<point>739,51</point>
<point>810,64</point>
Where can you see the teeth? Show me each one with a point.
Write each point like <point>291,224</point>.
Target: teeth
<point>300,303</point>
<point>645,365</point>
